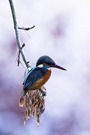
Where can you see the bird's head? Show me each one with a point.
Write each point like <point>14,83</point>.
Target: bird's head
<point>46,60</point>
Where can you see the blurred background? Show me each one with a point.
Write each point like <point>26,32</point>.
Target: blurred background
<point>62,31</point>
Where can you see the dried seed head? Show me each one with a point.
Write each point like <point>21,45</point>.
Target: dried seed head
<point>34,103</point>
<point>21,102</point>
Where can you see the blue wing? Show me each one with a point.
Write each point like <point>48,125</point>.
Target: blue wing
<point>33,76</point>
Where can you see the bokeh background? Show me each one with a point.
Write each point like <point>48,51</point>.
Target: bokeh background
<point>63,32</point>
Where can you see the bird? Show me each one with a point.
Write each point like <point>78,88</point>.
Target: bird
<point>39,75</point>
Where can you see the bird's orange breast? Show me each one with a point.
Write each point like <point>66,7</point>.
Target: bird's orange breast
<point>41,81</point>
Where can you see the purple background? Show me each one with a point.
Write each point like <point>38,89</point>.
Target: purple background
<point>63,32</point>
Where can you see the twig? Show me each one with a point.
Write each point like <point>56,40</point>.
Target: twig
<point>29,28</point>
<point>18,60</point>
<point>17,33</point>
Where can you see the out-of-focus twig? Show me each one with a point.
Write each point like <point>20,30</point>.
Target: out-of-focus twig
<point>27,29</point>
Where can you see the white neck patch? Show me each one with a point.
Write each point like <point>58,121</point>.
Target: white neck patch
<point>41,65</point>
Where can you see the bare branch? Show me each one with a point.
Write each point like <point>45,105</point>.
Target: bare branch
<point>18,60</point>
<point>17,33</point>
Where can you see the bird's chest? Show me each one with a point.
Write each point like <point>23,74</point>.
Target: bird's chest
<point>45,78</point>
<point>39,83</point>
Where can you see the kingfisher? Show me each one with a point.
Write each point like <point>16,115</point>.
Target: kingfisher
<point>39,75</point>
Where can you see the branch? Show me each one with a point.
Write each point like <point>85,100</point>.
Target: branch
<point>18,60</point>
<point>17,33</point>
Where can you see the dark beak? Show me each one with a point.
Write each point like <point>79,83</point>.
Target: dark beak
<point>59,67</point>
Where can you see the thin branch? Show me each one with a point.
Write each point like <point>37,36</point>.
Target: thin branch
<point>29,28</point>
<point>17,32</point>
<point>18,60</point>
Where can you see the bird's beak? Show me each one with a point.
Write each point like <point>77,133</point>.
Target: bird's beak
<point>59,67</point>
